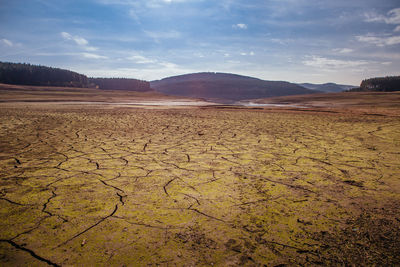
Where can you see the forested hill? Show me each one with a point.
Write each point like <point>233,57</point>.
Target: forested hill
<point>120,84</point>
<point>380,84</point>
<point>27,74</point>
<point>226,86</point>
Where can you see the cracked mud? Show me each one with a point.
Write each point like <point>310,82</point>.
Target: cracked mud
<point>197,186</point>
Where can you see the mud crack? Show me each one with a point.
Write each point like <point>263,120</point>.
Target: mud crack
<point>165,186</point>
<point>31,252</point>
<point>90,227</point>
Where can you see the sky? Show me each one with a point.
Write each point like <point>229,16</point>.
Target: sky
<point>317,41</point>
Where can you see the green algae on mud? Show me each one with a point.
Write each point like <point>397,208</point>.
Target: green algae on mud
<point>127,186</point>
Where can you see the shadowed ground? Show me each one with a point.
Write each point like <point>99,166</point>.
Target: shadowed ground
<point>95,185</point>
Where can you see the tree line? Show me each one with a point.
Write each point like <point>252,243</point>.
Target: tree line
<point>119,84</point>
<point>28,74</point>
<point>380,84</point>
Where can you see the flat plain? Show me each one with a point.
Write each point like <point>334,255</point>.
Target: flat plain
<point>116,185</point>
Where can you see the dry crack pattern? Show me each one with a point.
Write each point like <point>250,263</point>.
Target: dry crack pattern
<point>93,186</point>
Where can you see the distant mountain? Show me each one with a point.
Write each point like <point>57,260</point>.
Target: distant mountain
<point>225,86</point>
<point>327,87</point>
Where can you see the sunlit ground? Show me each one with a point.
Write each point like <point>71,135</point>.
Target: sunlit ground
<point>93,185</point>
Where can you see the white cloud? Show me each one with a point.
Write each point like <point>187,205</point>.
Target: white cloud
<point>343,50</point>
<point>141,59</point>
<point>240,26</point>
<point>168,65</point>
<point>198,54</point>
<point>279,41</point>
<point>7,42</point>
<point>79,41</point>
<point>173,1</point>
<point>163,35</point>
<point>329,64</point>
<point>93,56</point>
<point>90,48</point>
<point>152,63</point>
<point>66,35</point>
<point>133,15</point>
<point>84,55</point>
<point>160,3</point>
<point>137,4</point>
<point>251,53</point>
<point>373,17</point>
<point>392,17</point>
<point>379,40</point>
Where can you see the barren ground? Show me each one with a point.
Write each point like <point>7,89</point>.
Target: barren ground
<point>373,103</point>
<point>119,186</point>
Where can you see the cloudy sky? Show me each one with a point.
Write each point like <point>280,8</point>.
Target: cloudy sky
<point>317,41</point>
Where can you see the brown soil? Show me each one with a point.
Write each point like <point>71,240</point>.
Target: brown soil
<point>125,186</point>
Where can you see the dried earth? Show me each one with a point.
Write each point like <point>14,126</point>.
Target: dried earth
<point>120,186</point>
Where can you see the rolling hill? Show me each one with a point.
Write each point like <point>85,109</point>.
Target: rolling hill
<point>327,87</point>
<point>225,86</point>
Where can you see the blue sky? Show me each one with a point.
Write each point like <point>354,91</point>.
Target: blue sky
<point>341,41</point>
